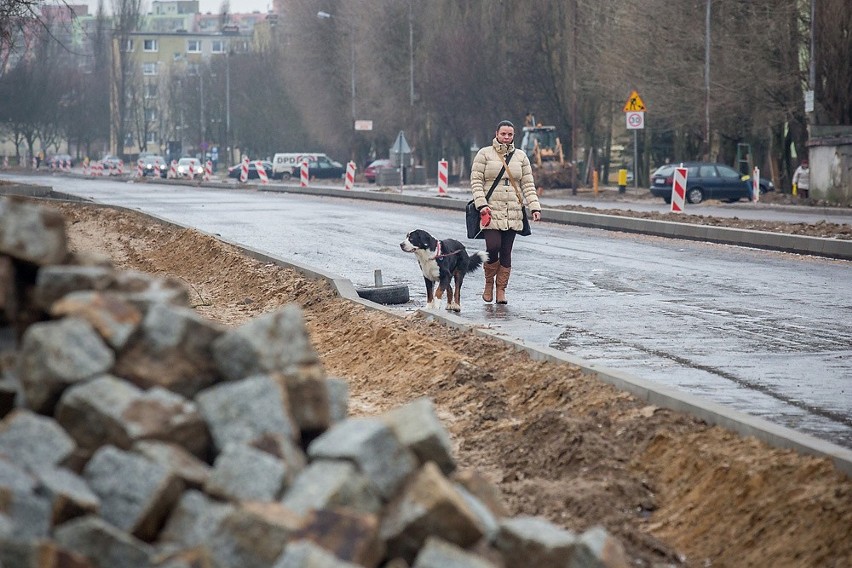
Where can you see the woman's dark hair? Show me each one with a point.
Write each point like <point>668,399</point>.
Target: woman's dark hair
<point>505,123</point>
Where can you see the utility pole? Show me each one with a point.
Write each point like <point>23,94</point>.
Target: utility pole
<point>411,53</point>
<point>706,82</point>
<point>574,103</point>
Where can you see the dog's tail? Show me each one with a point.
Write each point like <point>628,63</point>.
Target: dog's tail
<point>476,260</point>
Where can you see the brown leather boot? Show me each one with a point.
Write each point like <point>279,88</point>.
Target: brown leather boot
<point>502,281</point>
<point>490,269</point>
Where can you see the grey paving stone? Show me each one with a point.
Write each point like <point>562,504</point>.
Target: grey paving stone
<point>103,543</point>
<point>194,519</point>
<point>253,535</point>
<point>55,281</point>
<point>34,441</point>
<point>419,429</point>
<point>186,466</point>
<point>429,505</point>
<point>69,494</point>
<point>114,318</point>
<point>331,483</point>
<point>241,411</point>
<point>244,473</point>
<point>136,494</point>
<point>305,554</point>
<point>171,349</point>
<point>371,444</point>
<point>57,354</point>
<point>533,541</point>
<point>437,553</point>
<point>33,233</point>
<point>274,342</point>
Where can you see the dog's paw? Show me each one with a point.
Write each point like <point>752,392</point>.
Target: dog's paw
<point>453,308</point>
<point>433,305</point>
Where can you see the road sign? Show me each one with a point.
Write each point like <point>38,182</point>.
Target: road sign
<point>635,120</point>
<point>634,103</point>
<point>363,125</point>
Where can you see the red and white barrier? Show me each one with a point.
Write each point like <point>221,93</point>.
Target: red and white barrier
<point>261,172</point>
<point>679,190</point>
<point>244,170</point>
<point>349,182</point>
<point>140,172</point>
<point>85,167</point>
<point>208,170</point>
<point>5,162</point>
<point>755,188</point>
<point>120,168</point>
<point>173,173</point>
<point>443,177</point>
<point>304,171</point>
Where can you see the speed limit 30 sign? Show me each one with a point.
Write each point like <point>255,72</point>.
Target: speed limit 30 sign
<point>635,120</point>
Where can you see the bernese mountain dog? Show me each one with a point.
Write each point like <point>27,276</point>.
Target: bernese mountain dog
<point>442,262</point>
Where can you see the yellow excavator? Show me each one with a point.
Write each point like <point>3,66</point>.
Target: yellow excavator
<point>543,147</point>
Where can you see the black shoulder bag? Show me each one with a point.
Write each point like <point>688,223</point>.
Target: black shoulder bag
<point>471,213</point>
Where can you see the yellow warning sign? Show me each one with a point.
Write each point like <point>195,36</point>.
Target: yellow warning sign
<point>634,103</point>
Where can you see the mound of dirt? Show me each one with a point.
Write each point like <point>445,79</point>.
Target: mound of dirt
<point>557,442</point>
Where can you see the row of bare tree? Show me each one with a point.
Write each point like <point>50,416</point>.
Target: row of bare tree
<point>445,72</point>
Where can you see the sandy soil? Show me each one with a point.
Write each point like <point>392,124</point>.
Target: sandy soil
<point>558,443</point>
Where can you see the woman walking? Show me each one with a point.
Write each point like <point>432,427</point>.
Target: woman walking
<point>500,179</point>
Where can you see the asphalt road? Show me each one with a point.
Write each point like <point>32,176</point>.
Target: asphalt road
<point>766,333</point>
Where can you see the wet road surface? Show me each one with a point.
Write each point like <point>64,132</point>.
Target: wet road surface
<point>764,332</point>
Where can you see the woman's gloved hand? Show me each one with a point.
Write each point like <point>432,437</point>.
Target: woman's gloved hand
<point>485,216</point>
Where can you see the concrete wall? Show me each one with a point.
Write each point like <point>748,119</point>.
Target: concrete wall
<point>830,152</point>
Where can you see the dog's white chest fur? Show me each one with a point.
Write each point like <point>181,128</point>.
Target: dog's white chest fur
<point>428,264</point>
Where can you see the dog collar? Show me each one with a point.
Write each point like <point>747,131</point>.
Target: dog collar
<point>439,255</point>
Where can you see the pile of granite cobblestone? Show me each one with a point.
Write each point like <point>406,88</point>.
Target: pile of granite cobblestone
<point>137,433</point>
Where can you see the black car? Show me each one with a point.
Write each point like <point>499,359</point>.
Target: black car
<point>707,180</point>
<point>320,167</point>
<point>234,171</point>
<point>154,165</point>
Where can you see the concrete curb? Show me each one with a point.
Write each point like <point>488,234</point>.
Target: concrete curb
<point>659,395</point>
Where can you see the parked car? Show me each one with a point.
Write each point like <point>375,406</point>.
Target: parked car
<point>190,168</point>
<point>288,165</point>
<point>371,171</point>
<point>59,160</point>
<point>154,165</point>
<point>706,180</point>
<point>111,163</point>
<point>234,171</point>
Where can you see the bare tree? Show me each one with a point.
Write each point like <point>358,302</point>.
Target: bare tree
<point>126,17</point>
<point>833,35</point>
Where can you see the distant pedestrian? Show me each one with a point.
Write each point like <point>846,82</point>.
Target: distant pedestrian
<point>802,180</point>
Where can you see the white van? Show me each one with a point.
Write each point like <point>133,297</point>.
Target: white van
<point>286,165</point>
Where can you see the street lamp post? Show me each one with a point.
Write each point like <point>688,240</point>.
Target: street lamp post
<point>325,16</point>
<point>228,104</point>
<point>411,53</point>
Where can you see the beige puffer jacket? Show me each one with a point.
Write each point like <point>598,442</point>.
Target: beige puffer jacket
<point>505,209</point>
